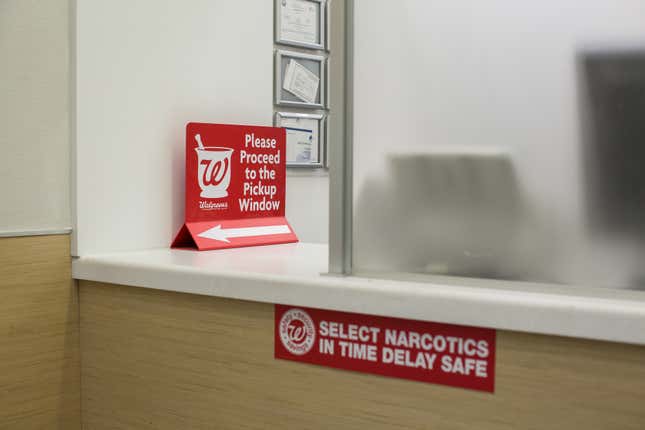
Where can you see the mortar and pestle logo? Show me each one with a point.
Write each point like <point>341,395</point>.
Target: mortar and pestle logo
<point>213,169</point>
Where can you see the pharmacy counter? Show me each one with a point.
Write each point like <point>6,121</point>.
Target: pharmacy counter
<point>176,339</point>
<point>294,274</point>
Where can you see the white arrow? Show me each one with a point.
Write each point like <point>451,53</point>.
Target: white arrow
<point>223,234</point>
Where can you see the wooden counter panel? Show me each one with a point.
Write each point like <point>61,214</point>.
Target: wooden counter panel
<point>39,349</point>
<point>162,360</point>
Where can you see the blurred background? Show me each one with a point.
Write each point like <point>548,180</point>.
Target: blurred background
<point>509,146</point>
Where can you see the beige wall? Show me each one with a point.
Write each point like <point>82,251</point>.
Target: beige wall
<point>34,115</point>
<point>163,360</point>
<point>39,349</point>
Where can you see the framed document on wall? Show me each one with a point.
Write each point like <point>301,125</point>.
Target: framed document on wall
<point>300,80</point>
<point>301,23</point>
<point>306,138</point>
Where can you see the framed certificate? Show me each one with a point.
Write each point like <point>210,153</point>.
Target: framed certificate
<point>301,23</point>
<point>300,80</point>
<point>306,138</point>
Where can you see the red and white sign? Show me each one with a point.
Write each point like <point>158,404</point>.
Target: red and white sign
<point>235,187</point>
<point>446,354</point>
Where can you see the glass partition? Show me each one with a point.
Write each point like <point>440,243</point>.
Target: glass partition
<point>500,139</point>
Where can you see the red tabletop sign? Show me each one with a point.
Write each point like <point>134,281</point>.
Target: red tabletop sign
<point>235,187</point>
<point>445,354</point>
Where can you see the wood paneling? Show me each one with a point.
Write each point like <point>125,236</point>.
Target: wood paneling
<point>39,350</point>
<point>163,360</point>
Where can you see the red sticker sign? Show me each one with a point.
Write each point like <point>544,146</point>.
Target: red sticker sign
<point>446,354</point>
<point>235,187</point>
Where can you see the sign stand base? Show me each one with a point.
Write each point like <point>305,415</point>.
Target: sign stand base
<point>207,235</point>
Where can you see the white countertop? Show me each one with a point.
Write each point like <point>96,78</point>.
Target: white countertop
<point>294,274</point>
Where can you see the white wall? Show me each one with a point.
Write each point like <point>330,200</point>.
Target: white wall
<point>34,115</point>
<point>468,80</point>
<point>143,70</point>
